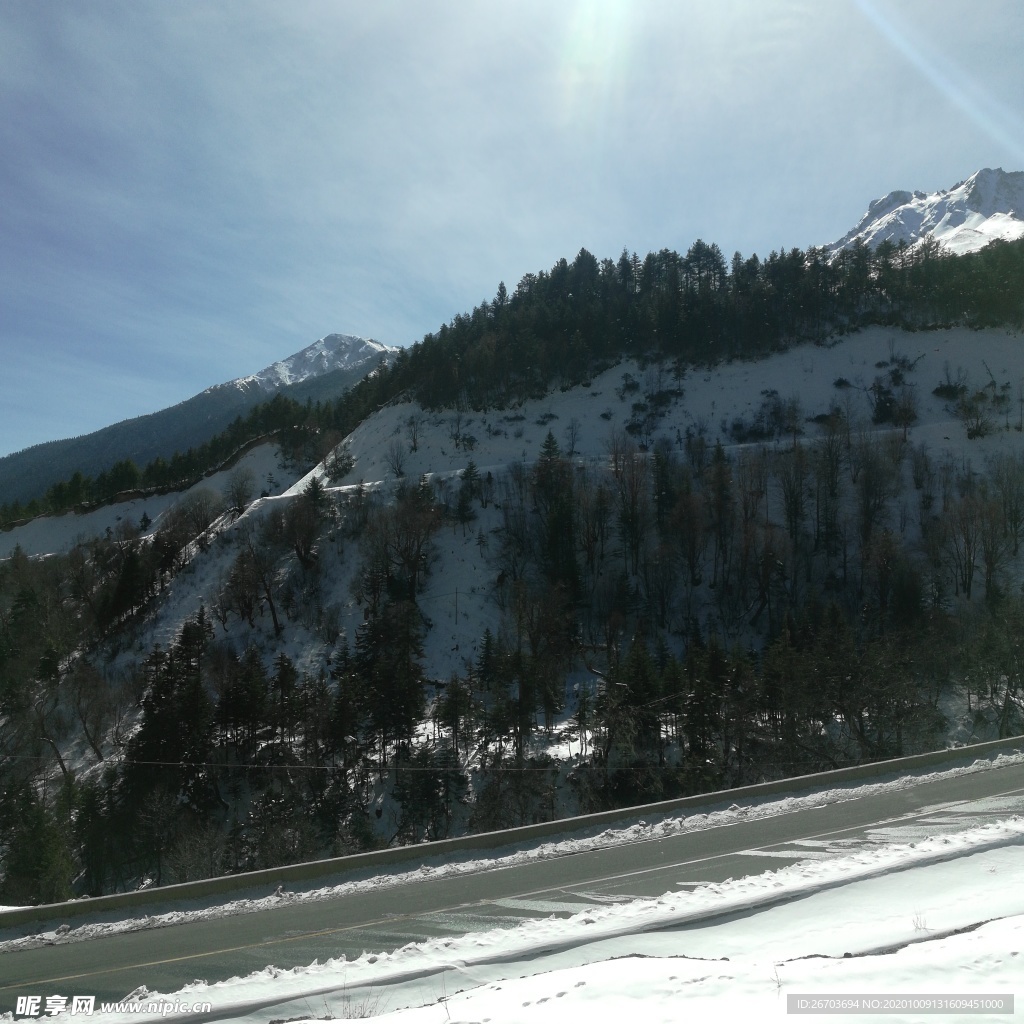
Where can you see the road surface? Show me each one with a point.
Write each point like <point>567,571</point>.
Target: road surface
<point>165,959</point>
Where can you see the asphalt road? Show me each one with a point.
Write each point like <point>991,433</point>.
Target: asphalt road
<point>165,959</point>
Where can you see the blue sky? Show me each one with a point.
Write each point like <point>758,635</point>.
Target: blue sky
<point>191,191</point>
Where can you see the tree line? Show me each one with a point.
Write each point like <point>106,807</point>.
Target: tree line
<point>563,324</point>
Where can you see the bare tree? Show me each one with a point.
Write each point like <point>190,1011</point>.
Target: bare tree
<point>771,557</point>
<point>994,541</point>
<point>791,417</point>
<point>414,520</point>
<point>634,504</point>
<point>239,490</point>
<point>187,522</point>
<point>828,453</point>
<point>921,466</point>
<point>963,538</point>
<point>371,583</point>
<point>659,581</point>
<point>51,723</point>
<point>827,461</point>
<point>875,482</point>
<point>690,531</point>
<point>396,545</point>
<point>258,563</point>
<point>881,559</point>
<point>413,427</point>
<point>593,510</point>
<point>395,457</point>
<point>125,689</point>
<point>895,448</point>
<point>572,436</point>
<point>196,852</point>
<point>455,424</point>
<point>617,447</point>
<point>697,445</point>
<point>973,411</point>
<point>200,508</point>
<point>792,470</point>
<point>92,701</point>
<point>1008,478</point>
<point>84,578</point>
<point>904,411</point>
<point>721,508</point>
<point>752,481</point>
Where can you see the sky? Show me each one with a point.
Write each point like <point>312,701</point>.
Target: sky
<point>192,191</point>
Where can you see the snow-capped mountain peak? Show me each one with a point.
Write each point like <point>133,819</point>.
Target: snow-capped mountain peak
<point>332,352</point>
<point>986,206</point>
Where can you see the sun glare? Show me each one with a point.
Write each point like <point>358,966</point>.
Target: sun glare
<point>990,115</point>
<point>594,59</point>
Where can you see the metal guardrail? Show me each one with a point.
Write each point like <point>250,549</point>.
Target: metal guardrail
<point>271,878</point>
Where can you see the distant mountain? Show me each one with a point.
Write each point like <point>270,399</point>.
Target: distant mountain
<point>320,371</point>
<point>965,218</point>
<point>334,352</point>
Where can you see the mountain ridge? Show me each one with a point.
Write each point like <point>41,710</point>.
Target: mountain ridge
<point>987,206</point>
<point>321,370</point>
<point>327,354</point>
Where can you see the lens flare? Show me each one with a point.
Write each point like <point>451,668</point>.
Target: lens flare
<point>1002,124</point>
<point>594,61</point>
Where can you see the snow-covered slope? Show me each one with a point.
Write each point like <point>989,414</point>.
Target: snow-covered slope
<point>54,534</point>
<point>332,352</point>
<point>458,599</point>
<point>965,218</point>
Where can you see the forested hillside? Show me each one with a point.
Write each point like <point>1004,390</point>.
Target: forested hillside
<point>539,571</point>
<point>560,325</point>
<point>700,309</point>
